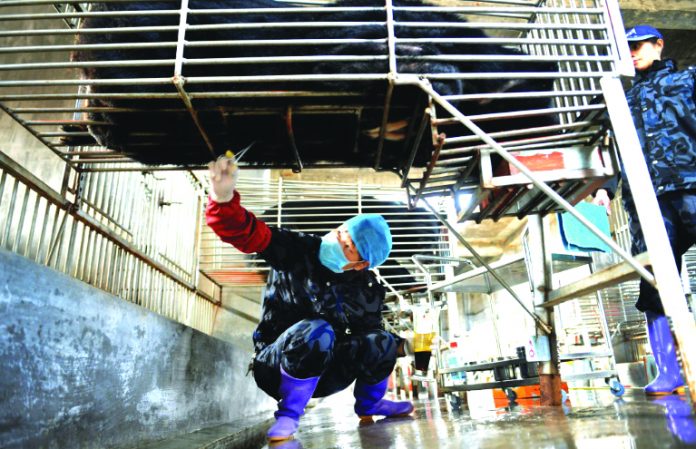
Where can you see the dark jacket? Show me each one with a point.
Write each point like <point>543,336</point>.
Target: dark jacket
<point>298,285</point>
<point>664,113</point>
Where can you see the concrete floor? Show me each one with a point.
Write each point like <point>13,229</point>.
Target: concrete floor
<point>591,419</point>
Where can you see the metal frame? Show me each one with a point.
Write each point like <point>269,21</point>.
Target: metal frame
<point>94,233</point>
<point>574,36</point>
<point>587,43</point>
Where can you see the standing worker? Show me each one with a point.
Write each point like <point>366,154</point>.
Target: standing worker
<point>662,106</point>
<point>321,323</point>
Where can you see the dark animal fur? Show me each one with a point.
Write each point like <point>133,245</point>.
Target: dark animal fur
<point>171,137</point>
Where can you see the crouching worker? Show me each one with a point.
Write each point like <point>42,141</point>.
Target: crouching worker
<point>321,323</point>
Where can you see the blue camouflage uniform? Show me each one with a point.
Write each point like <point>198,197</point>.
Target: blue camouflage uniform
<point>317,322</point>
<point>314,322</point>
<point>662,103</point>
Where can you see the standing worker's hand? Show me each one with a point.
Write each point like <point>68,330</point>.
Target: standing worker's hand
<point>223,174</point>
<point>602,199</point>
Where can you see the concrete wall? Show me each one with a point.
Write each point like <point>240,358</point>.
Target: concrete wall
<point>80,368</point>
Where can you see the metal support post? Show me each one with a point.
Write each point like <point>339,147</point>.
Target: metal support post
<point>454,322</point>
<point>650,218</point>
<point>539,268</point>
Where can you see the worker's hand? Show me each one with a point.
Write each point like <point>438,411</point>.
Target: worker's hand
<point>601,198</point>
<point>405,348</point>
<point>223,178</point>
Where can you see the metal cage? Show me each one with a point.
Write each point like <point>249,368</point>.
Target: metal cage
<point>297,71</point>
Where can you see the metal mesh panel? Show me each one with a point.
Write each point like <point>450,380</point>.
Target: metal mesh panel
<point>316,208</point>
<point>206,65</point>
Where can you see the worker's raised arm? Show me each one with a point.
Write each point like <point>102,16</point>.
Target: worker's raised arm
<point>226,216</point>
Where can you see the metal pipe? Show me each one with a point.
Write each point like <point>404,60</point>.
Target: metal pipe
<point>524,113</point>
<point>10,212</point>
<point>524,131</point>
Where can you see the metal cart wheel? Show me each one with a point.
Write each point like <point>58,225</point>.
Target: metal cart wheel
<point>616,387</point>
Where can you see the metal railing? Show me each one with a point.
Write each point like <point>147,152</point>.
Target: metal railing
<point>113,231</point>
<point>574,36</point>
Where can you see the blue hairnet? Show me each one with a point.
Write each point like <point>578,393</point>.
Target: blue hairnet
<point>372,237</point>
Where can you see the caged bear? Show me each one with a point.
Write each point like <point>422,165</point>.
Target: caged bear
<point>305,85</point>
<point>415,231</point>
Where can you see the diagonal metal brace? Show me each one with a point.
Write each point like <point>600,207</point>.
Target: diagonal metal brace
<point>541,185</point>
<point>539,322</point>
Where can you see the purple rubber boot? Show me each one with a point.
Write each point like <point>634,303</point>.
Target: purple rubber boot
<point>369,401</point>
<point>295,394</point>
<point>669,377</point>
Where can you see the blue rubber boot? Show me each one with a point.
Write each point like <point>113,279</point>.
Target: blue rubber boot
<point>669,377</point>
<point>369,401</point>
<point>294,396</point>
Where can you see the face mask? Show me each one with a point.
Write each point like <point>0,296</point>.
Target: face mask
<point>331,254</point>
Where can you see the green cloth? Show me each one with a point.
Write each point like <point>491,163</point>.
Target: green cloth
<point>576,237</point>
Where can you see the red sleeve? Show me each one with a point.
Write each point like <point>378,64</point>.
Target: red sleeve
<point>237,226</point>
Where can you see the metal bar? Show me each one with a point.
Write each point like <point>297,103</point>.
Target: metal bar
<point>539,269</point>
<point>44,226</point>
<point>513,9</point>
<point>534,94</point>
<point>515,143</point>
<point>440,140</point>
<point>297,168</point>
<point>524,113</point>
<point>416,145</point>
<point>179,82</point>
<point>505,41</point>
<point>619,43</point>
<point>490,385</point>
<point>83,47</point>
<point>297,78</point>
<point>510,58</point>
<point>28,250</point>
<point>70,258</point>
<point>55,239</point>
<point>503,26</point>
<point>20,225</point>
<point>10,213</point>
<point>391,54</point>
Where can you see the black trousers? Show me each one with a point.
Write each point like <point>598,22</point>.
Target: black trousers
<point>679,214</point>
<point>310,348</point>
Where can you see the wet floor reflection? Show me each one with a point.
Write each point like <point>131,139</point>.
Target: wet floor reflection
<point>587,421</point>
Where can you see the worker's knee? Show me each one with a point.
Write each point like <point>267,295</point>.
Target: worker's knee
<point>309,350</point>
